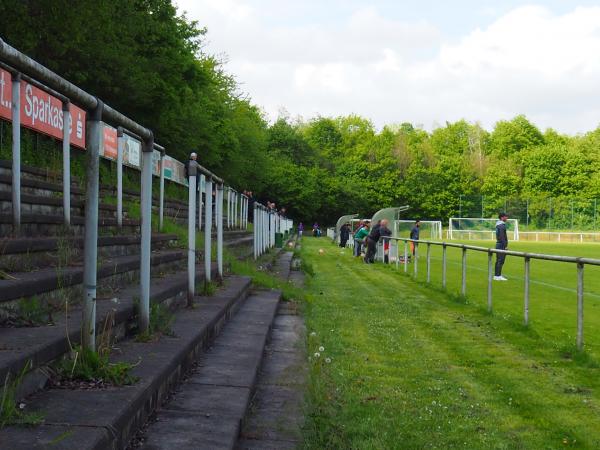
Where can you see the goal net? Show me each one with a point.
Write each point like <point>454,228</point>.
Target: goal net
<point>429,229</point>
<point>476,228</point>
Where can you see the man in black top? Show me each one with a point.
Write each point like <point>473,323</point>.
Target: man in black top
<point>414,234</point>
<point>378,230</point>
<point>501,244</point>
<point>344,235</point>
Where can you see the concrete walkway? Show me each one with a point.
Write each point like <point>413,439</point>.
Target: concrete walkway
<point>276,415</point>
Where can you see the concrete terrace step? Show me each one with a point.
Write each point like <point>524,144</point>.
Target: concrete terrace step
<point>38,187</point>
<point>43,204</point>
<point>30,253</point>
<point>27,284</point>
<point>41,345</point>
<point>206,412</point>
<point>32,172</point>
<point>52,225</point>
<point>108,418</point>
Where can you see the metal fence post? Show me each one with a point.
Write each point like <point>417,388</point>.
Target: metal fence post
<point>161,195</point>
<point>120,144</point>
<point>428,262</point>
<point>66,150</point>
<point>255,235</point>
<point>240,226</point>
<point>405,256</point>
<point>90,249</point>
<point>146,232</point>
<point>16,150</point>
<point>489,281</point>
<point>191,262</point>
<point>416,261</point>
<point>219,212</point>
<point>397,255</point>
<point>201,203</point>
<point>228,207</point>
<point>444,265</point>
<point>580,267</point>
<point>207,229</point>
<point>463,289</point>
<point>526,293</point>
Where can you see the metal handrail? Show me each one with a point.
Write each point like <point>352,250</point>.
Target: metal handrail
<point>527,257</point>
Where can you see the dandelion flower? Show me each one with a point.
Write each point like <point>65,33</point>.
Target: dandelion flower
<point>327,360</point>
<point>321,348</point>
<point>313,333</point>
<point>317,355</point>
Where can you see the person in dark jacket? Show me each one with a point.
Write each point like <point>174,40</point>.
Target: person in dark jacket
<point>501,244</point>
<point>378,230</point>
<point>414,234</point>
<point>344,235</point>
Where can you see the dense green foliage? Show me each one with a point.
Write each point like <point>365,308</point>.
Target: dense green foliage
<point>144,59</point>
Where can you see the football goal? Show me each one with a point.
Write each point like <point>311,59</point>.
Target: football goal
<point>477,228</point>
<point>430,229</point>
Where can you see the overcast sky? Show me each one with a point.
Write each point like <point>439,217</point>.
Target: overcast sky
<point>424,62</point>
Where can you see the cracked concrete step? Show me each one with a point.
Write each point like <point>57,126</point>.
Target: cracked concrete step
<point>207,410</point>
<point>44,281</point>
<point>31,253</point>
<point>112,416</point>
<point>41,345</point>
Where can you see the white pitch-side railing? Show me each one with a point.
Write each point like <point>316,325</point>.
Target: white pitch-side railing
<point>267,224</point>
<point>527,257</point>
<point>21,67</point>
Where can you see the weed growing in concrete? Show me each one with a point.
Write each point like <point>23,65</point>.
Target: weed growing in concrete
<point>161,320</point>
<point>12,413</point>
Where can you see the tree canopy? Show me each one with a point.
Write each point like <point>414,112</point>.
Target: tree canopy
<point>147,61</point>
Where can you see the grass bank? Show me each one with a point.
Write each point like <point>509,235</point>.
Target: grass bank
<point>395,364</point>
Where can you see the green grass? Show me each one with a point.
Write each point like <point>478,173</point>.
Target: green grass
<point>413,367</point>
<point>553,289</point>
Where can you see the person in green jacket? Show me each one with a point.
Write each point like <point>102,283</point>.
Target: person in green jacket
<point>359,238</point>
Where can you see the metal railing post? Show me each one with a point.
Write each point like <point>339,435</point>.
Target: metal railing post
<point>16,151</point>
<point>580,267</point>
<point>444,265</point>
<point>397,255</point>
<point>219,212</point>
<point>201,203</point>
<point>255,235</point>
<point>405,257</point>
<point>207,229</point>
<point>66,150</point>
<point>240,224</point>
<point>90,249</point>
<point>146,232</point>
<point>463,289</point>
<point>228,207</point>
<point>416,261</point>
<point>526,293</point>
<point>489,280</point>
<point>120,144</point>
<point>191,262</point>
<point>428,262</point>
<point>161,195</point>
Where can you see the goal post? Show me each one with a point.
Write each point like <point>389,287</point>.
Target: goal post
<point>429,229</point>
<point>479,228</point>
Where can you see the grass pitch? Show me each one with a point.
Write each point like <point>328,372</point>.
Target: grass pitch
<point>399,364</point>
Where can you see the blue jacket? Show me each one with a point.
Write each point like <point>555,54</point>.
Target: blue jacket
<point>501,237</point>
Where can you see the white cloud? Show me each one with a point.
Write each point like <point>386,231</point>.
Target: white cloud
<point>527,61</point>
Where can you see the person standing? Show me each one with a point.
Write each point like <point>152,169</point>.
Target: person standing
<point>300,229</point>
<point>501,244</point>
<point>414,235</point>
<point>344,235</point>
<point>359,238</point>
<point>378,230</point>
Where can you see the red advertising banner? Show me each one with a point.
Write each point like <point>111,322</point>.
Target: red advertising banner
<point>5,95</point>
<point>41,111</point>
<point>109,142</point>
